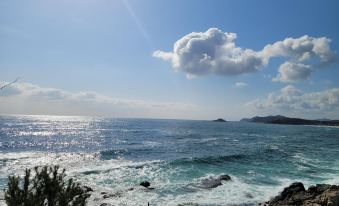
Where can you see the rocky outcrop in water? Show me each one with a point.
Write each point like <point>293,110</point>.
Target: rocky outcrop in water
<point>219,120</point>
<point>145,184</point>
<point>318,195</point>
<point>211,182</point>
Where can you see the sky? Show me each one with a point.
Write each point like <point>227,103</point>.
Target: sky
<point>170,58</point>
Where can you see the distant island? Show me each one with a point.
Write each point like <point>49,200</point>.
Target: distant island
<point>278,119</point>
<point>219,120</point>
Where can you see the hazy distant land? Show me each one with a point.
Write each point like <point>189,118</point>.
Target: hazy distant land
<point>278,119</point>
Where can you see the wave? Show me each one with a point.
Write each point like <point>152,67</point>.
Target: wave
<point>113,153</point>
<point>120,153</point>
<point>212,160</point>
<point>116,175</point>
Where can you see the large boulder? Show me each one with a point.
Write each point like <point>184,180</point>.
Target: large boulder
<point>288,192</point>
<point>329,196</point>
<point>318,195</point>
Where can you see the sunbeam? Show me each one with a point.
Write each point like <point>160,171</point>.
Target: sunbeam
<point>140,26</point>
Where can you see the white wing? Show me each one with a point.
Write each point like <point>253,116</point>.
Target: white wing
<point>6,85</point>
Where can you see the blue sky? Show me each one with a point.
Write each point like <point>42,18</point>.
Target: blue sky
<point>106,48</point>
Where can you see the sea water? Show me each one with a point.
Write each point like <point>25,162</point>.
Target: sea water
<point>112,155</point>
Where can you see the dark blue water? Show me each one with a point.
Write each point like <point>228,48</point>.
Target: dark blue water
<point>113,155</point>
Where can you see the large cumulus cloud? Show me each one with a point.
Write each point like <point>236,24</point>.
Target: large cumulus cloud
<point>215,52</point>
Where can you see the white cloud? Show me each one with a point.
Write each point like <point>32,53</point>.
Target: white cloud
<point>301,49</point>
<point>26,98</point>
<point>290,90</point>
<point>211,52</point>
<point>291,72</point>
<point>215,52</point>
<point>240,84</point>
<point>291,100</point>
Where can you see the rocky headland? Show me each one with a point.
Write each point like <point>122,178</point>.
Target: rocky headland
<point>278,119</point>
<point>296,194</point>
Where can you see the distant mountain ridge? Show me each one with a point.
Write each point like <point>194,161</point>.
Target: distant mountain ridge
<point>279,119</point>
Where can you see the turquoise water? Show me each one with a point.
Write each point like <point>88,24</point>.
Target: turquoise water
<point>112,155</point>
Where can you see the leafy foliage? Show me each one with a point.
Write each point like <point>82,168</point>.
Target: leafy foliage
<point>46,188</point>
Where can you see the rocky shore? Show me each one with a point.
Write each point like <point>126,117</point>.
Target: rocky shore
<point>293,195</point>
<point>296,194</point>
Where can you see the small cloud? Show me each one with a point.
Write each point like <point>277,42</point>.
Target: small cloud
<point>240,84</point>
<point>291,72</point>
<point>290,90</point>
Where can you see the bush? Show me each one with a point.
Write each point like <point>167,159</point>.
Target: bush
<point>46,188</point>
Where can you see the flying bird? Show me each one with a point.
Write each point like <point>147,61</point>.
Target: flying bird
<point>6,85</point>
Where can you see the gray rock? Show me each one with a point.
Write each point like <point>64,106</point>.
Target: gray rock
<point>211,182</point>
<point>87,189</point>
<point>114,195</point>
<point>224,177</point>
<point>145,184</point>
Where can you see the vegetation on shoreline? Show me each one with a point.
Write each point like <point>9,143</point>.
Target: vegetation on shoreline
<point>47,187</point>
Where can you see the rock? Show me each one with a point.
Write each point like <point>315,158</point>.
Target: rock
<point>249,195</point>
<point>145,184</point>
<point>224,177</point>
<point>319,188</point>
<point>105,204</point>
<point>219,120</point>
<point>211,182</point>
<point>328,197</point>
<point>117,194</point>
<point>287,193</point>
<point>292,189</point>
<point>87,189</point>
<point>318,195</point>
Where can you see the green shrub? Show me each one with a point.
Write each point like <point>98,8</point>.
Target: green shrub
<point>46,188</point>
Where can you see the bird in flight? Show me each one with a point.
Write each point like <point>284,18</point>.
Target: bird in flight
<point>6,85</point>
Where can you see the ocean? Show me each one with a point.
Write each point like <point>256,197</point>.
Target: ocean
<point>112,155</point>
